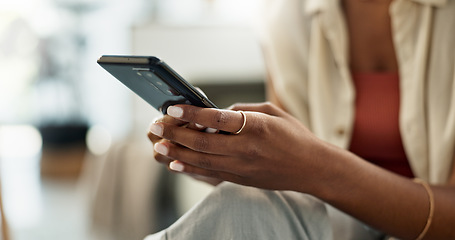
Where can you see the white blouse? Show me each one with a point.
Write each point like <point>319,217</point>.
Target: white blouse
<point>306,46</point>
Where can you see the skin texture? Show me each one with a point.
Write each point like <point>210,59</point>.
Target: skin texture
<point>276,151</point>
<point>370,36</point>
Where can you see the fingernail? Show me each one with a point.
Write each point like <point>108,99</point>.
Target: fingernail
<point>176,166</point>
<point>161,149</point>
<point>175,111</point>
<point>151,124</point>
<point>199,125</point>
<point>156,129</point>
<point>211,130</point>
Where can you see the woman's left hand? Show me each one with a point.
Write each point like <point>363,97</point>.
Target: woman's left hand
<point>273,151</point>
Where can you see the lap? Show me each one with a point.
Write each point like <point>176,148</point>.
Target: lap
<point>237,212</point>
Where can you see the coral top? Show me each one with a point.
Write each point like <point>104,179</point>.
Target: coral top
<point>376,136</point>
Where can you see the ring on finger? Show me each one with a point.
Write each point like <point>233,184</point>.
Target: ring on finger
<point>244,123</point>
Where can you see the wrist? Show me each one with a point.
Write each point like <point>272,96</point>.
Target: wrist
<point>328,170</point>
<point>339,175</point>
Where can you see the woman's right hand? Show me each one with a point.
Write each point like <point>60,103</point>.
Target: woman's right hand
<point>155,139</point>
<point>166,160</point>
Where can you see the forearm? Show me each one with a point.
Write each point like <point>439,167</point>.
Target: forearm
<point>275,151</point>
<point>386,201</point>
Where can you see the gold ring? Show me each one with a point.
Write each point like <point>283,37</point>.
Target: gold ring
<point>244,123</point>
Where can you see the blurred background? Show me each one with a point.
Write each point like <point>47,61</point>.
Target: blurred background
<point>75,162</point>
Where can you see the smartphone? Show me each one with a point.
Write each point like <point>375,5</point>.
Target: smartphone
<point>154,81</point>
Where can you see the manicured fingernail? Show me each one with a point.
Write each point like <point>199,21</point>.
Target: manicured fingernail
<point>175,111</point>
<point>176,166</point>
<point>199,126</point>
<point>211,130</point>
<point>161,149</point>
<point>150,125</point>
<point>156,129</point>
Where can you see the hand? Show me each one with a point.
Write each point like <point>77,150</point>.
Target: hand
<point>166,160</point>
<point>273,151</point>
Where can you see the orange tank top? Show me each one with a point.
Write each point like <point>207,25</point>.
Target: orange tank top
<point>376,136</point>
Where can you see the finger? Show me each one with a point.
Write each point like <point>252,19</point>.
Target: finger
<point>196,140</point>
<point>198,159</point>
<point>164,119</point>
<point>168,119</point>
<point>163,159</point>
<point>265,107</point>
<point>179,166</point>
<point>152,137</point>
<point>225,120</point>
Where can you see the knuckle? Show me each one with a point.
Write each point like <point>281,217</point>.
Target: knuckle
<point>269,107</point>
<point>253,152</point>
<point>221,118</point>
<point>260,126</point>
<point>204,162</point>
<point>201,143</point>
<point>190,114</point>
<point>268,104</point>
<point>250,153</point>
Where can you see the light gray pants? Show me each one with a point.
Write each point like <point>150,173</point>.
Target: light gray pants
<point>237,212</point>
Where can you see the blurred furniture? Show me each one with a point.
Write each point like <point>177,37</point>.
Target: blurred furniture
<point>64,150</point>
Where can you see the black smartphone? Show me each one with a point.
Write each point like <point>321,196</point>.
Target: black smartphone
<point>154,81</point>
